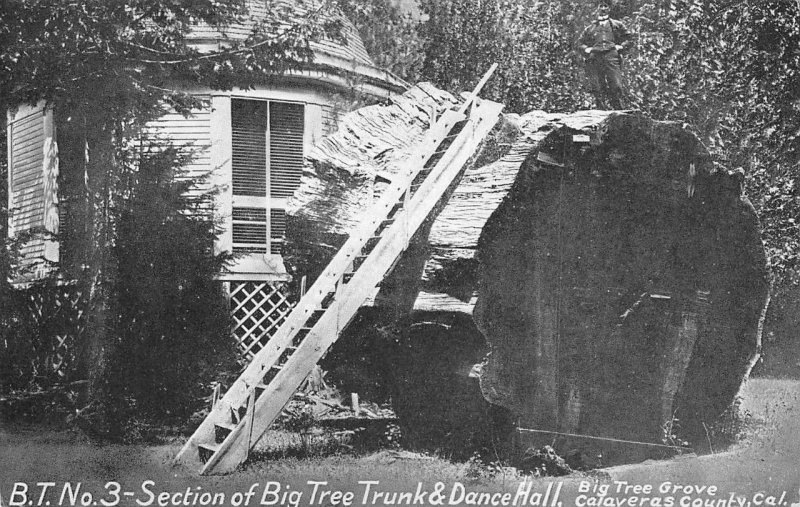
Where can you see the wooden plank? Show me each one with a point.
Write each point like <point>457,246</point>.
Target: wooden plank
<point>27,198</point>
<point>474,95</point>
<point>30,145</point>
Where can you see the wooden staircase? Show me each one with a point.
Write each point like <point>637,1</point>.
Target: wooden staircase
<point>254,401</point>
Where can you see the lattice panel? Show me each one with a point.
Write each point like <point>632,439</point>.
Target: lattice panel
<point>258,308</point>
<point>59,316</point>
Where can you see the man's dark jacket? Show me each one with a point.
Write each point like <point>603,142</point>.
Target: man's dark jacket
<point>589,38</point>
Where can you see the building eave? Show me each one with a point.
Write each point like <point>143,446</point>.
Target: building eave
<point>330,69</point>
<point>370,74</point>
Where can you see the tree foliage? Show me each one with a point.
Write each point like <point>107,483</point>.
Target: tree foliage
<point>173,322</point>
<point>731,71</point>
<point>105,69</point>
<point>531,42</point>
<point>389,35</point>
<point>136,49</point>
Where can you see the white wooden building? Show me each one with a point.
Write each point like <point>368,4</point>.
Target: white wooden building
<point>252,142</point>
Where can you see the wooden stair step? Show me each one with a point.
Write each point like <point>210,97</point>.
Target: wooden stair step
<point>222,430</point>
<point>300,336</point>
<point>328,299</point>
<point>367,249</point>
<point>238,413</point>
<point>205,451</point>
<point>384,225</point>
<point>315,316</point>
<point>285,355</point>
<point>397,207</point>
<point>358,260</point>
<point>270,375</point>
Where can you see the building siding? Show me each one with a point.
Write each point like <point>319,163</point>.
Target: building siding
<point>34,201</point>
<point>191,135</point>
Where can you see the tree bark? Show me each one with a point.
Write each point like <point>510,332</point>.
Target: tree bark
<point>89,173</point>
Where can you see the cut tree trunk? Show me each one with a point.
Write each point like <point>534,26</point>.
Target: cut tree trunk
<point>622,285</point>
<point>614,271</point>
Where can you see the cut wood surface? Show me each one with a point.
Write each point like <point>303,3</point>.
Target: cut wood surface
<point>621,286</point>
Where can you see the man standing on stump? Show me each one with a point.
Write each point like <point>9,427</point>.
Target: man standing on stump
<point>602,44</point>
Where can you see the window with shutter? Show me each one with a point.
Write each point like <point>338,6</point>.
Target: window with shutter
<point>266,162</point>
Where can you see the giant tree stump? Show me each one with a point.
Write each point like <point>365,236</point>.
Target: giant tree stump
<point>615,272</point>
<point>622,284</point>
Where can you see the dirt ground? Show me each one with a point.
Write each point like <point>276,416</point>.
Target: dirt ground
<point>767,462</point>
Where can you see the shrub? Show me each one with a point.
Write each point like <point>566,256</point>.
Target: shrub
<point>173,317</point>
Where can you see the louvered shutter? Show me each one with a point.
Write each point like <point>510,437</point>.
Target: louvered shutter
<point>249,137</point>
<point>26,144</point>
<point>285,163</point>
<point>285,148</point>
<point>267,158</point>
<point>32,179</point>
<point>277,229</point>
<point>249,226</point>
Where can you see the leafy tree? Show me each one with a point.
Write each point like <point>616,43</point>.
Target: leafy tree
<point>731,71</point>
<point>106,68</point>
<point>532,42</point>
<point>389,35</point>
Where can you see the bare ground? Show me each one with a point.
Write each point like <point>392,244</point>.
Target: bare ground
<point>768,460</point>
